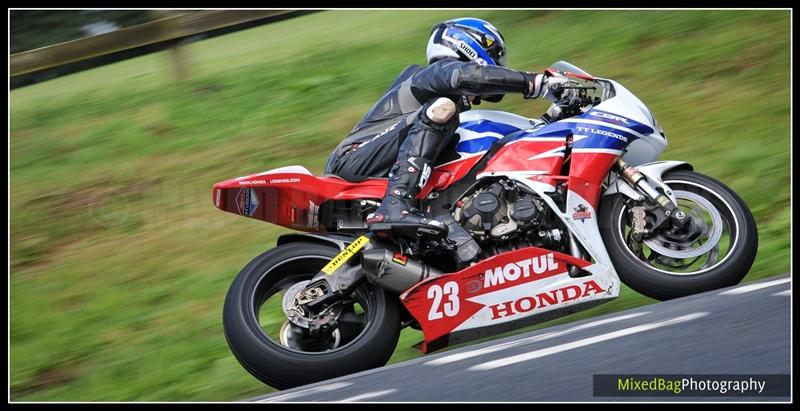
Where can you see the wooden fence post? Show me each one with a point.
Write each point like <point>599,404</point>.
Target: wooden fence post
<point>181,24</point>
<point>177,51</point>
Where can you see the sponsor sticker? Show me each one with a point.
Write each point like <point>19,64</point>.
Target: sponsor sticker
<point>247,201</point>
<point>252,182</point>
<point>601,132</point>
<point>284,180</point>
<point>400,259</point>
<point>526,268</point>
<point>218,198</point>
<point>313,215</point>
<point>474,286</point>
<point>345,255</point>
<point>540,300</point>
<point>581,213</point>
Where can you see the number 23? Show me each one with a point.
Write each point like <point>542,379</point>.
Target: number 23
<point>451,306</point>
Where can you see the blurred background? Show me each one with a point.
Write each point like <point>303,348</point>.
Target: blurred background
<point>120,262</point>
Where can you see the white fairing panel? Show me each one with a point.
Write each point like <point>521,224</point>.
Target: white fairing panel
<point>584,228</point>
<point>287,169</point>
<point>511,119</point>
<point>624,103</point>
<point>484,317</point>
<point>644,150</point>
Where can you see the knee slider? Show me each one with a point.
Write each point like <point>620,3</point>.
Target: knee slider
<point>441,110</point>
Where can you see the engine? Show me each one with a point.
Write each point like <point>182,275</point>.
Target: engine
<point>503,215</point>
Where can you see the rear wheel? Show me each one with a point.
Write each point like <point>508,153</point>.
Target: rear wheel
<point>716,250</point>
<point>284,355</point>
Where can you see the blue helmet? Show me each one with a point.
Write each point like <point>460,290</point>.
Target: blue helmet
<point>467,39</point>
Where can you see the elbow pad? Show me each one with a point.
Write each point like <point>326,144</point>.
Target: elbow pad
<point>474,79</point>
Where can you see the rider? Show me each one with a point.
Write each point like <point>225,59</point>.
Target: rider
<point>405,131</point>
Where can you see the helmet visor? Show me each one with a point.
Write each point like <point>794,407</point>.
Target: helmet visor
<point>494,46</point>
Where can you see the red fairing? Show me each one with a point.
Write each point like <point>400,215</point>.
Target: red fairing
<point>540,155</point>
<point>290,199</point>
<point>445,175</point>
<point>587,172</point>
<point>444,303</point>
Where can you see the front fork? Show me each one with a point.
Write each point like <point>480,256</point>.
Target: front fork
<point>665,208</point>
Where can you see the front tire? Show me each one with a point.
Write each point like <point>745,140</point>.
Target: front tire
<point>267,357</point>
<point>666,266</point>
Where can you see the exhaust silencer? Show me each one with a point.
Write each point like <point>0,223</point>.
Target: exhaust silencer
<point>393,271</point>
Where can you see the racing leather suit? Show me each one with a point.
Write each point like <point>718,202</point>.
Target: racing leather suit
<point>405,131</point>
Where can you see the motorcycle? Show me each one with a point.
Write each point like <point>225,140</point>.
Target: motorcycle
<point>562,209</point>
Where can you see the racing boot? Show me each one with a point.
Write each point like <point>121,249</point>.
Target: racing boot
<point>432,128</point>
<point>397,214</point>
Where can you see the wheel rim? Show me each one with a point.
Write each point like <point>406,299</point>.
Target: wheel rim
<point>704,246</point>
<point>356,316</point>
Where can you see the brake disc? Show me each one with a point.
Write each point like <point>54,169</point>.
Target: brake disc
<point>661,244</point>
<point>293,303</point>
<point>291,307</point>
<point>298,317</point>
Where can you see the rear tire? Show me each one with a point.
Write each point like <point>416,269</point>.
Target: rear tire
<point>657,283</point>
<point>282,367</point>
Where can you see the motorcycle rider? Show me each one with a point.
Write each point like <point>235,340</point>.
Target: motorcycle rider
<point>405,131</point>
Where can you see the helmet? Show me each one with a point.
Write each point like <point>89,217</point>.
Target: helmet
<point>467,39</point>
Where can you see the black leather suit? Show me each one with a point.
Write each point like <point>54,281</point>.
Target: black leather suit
<point>397,126</point>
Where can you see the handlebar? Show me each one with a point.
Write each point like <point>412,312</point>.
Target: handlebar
<point>574,106</point>
<point>581,100</point>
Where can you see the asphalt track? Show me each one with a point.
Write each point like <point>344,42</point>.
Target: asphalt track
<point>738,330</point>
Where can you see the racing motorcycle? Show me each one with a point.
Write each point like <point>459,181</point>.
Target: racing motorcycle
<point>561,210</point>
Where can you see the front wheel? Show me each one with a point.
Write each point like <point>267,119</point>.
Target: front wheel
<point>715,250</point>
<point>283,355</point>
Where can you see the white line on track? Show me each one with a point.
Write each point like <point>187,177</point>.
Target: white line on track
<point>481,351</point>
<point>312,390</point>
<point>754,287</point>
<point>582,343</point>
<point>367,395</point>
<point>786,293</point>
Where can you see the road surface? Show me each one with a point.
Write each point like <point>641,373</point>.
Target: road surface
<point>739,330</point>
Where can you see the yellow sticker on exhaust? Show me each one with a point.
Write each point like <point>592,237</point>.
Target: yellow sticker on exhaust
<point>345,255</point>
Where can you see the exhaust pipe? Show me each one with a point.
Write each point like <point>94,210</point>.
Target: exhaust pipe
<point>393,271</point>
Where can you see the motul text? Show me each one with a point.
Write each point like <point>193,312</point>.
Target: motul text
<point>524,268</point>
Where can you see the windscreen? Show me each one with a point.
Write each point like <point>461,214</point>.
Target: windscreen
<point>564,66</point>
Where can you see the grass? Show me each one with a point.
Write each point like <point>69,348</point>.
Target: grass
<point>120,263</point>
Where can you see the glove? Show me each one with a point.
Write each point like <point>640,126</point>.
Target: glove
<point>556,92</point>
<point>535,82</point>
<point>552,114</point>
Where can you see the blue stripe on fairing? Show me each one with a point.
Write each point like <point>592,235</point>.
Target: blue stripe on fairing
<point>556,129</point>
<point>596,140</point>
<point>550,130</point>
<point>629,123</point>
<point>559,129</point>
<point>484,126</point>
<point>476,145</point>
<point>601,141</point>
